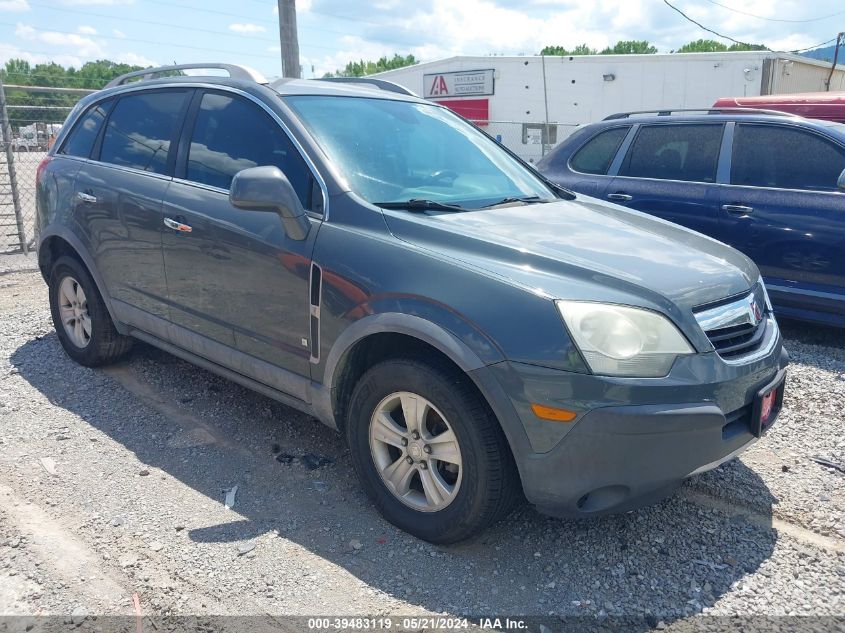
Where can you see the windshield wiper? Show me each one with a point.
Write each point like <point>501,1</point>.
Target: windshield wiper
<point>525,199</point>
<point>415,204</point>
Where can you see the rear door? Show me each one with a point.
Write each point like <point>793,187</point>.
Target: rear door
<point>235,278</point>
<point>783,209</point>
<point>670,171</point>
<point>119,196</point>
<point>74,151</point>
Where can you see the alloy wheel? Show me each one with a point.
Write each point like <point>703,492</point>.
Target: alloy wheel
<point>415,451</point>
<point>73,309</point>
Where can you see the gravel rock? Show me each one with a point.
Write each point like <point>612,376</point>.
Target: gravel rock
<point>712,549</point>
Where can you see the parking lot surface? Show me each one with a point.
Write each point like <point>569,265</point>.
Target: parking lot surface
<point>114,482</point>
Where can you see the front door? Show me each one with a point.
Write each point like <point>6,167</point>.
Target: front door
<point>670,171</point>
<point>784,210</point>
<point>234,277</point>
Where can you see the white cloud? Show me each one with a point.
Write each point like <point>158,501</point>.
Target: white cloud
<point>246,28</point>
<point>118,33</point>
<point>82,46</point>
<point>87,30</point>
<point>96,2</point>
<point>433,29</point>
<point>10,51</point>
<point>14,5</point>
<point>135,59</point>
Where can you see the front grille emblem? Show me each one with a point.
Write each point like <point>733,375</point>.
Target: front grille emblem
<point>756,312</point>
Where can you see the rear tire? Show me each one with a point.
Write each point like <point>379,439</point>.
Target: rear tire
<point>80,317</point>
<point>438,500</point>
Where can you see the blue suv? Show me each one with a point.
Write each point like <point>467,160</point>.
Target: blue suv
<point>771,185</point>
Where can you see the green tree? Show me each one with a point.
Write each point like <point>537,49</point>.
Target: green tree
<point>630,47</point>
<point>712,46</point>
<point>53,107</point>
<point>747,47</point>
<point>581,49</point>
<point>362,68</point>
<point>702,46</point>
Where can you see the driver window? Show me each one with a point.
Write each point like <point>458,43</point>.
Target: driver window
<point>232,134</point>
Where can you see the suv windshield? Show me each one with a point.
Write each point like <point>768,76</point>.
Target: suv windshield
<point>395,151</point>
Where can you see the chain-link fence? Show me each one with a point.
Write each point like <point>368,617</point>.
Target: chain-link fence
<point>31,118</point>
<point>529,141</point>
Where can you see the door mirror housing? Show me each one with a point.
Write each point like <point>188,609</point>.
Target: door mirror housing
<point>841,182</point>
<point>268,189</point>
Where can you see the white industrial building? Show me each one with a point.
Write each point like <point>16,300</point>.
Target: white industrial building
<point>518,98</point>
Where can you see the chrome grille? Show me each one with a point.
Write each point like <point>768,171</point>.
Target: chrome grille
<point>735,327</point>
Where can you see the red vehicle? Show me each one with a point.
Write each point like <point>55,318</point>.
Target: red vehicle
<point>812,105</point>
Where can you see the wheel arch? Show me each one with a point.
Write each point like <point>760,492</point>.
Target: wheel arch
<point>393,335</point>
<point>60,243</point>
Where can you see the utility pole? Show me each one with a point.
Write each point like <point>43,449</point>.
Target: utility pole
<point>840,40</point>
<point>289,39</point>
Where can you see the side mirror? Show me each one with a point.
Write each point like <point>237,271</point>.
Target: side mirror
<point>268,189</point>
<point>841,182</point>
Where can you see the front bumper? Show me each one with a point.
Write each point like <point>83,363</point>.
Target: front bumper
<point>636,440</point>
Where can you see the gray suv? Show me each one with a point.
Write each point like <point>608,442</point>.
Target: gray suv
<point>475,332</point>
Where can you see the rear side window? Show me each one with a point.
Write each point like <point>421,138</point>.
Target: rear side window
<point>82,137</point>
<point>232,134</point>
<point>784,158</point>
<point>142,128</point>
<point>595,157</point>
<point>675,152</point>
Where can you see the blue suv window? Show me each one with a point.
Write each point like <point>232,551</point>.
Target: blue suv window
<point>688,152</point>
<point>784,158</point>
<point>595,157</point>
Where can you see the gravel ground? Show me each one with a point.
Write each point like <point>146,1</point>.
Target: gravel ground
<point>113,482</point>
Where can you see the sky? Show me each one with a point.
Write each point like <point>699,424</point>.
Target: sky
<point>334,32</point>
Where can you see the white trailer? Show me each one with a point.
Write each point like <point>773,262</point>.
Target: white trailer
<point>532,103</point>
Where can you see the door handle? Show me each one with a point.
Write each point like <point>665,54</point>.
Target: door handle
<point>738,209</point>
<point>622,197</point>
<point>177,226</point>
<point>87,198</point>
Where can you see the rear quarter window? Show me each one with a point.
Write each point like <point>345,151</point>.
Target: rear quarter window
<point>80,142</point>
<point>597,154</point>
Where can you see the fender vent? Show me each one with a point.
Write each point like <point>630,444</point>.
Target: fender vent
<point>315,294</point>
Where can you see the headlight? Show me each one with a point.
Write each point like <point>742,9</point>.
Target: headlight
<point>765,294</point>
<point>621,341</point>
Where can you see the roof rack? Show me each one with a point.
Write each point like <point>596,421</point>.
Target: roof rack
<point>235,72</point>
<point>740,110</point>
<point>381,84</point>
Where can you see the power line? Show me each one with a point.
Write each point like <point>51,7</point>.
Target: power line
<point>150,22</point>
<point>187,46</point>
<point>701,26</point>
<point>809,48</point>
<point>762,17</point>
<point>188,7</point>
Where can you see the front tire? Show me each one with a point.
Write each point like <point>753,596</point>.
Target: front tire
<point>428,451</point>
<point>80,317</point>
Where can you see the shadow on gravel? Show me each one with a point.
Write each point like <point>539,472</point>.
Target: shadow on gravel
<point>798,334</point>
<point>294,476</point>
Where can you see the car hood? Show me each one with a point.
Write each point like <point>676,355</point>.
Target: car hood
<point>567,249</point>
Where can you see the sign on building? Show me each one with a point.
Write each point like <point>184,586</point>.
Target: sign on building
<point>467,83</point>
